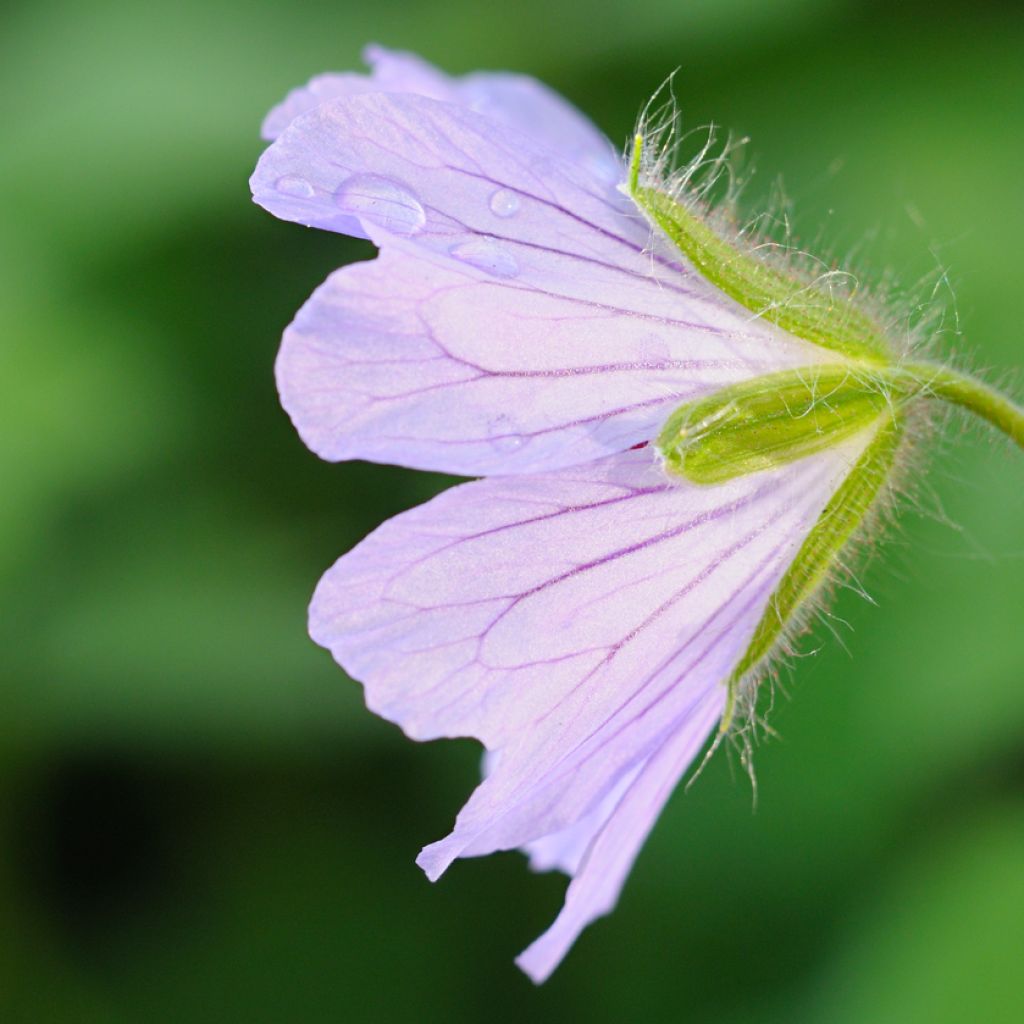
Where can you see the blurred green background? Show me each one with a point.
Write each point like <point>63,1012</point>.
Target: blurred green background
<point>198,819</point>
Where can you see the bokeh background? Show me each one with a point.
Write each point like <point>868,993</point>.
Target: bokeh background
<point>199,821</point>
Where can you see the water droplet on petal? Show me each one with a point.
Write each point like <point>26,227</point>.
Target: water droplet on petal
<point>293,185</point>
<point>383,202</point>
<point>503,436</point>
<point>504,203</point>
<point>486,255</point>
<point>510,443</point>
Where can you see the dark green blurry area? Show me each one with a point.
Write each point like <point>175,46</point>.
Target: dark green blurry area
<point>199,820</point>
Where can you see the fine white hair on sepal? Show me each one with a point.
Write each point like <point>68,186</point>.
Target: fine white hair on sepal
<point>711,176</point>
<point>771,679</point>
<point>706,171</point>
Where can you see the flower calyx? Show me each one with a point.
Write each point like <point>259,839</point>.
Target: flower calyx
<point>765,422</point>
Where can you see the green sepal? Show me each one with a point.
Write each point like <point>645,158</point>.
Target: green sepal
<point>768,421</point>
<point>843,514</point>
<point>794,303</point>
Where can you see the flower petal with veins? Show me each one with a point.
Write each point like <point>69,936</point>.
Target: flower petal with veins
<point>484,343</point>
<point>579,623</point>
<point>516,100</point>
<point>408,171</point>
<point>418,361</point>
<point>597,881</point>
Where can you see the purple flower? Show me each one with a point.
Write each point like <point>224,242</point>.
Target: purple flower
<point>579,610</point>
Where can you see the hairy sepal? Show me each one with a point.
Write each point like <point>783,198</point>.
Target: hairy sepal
<point>796,303</point>
<point>842,518</point>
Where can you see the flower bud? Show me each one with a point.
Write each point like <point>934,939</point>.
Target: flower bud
<point>768,421</point>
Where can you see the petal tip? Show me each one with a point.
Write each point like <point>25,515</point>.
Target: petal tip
<point>536,964</point>
<point>435,859</point>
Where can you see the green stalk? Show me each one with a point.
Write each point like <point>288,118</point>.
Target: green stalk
<point>960,389</point>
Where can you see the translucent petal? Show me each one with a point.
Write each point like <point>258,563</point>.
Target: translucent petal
<point>515,100</point>
<point>582,623</point>
<point>448,365</point>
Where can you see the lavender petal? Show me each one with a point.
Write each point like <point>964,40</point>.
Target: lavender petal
<point>512,99</point>
<point>580,623</point>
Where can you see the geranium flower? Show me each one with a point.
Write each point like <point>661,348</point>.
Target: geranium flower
<point>675,439</point>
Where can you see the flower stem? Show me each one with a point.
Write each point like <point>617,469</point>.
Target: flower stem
<point>971,394</point>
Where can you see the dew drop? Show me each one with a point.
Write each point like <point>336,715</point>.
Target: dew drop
<point>503,437</point>
<point>488,256</point>
<point>292,185</point>
<point>504,203</point>
<point>383,202</point>
<point>508,444</point>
